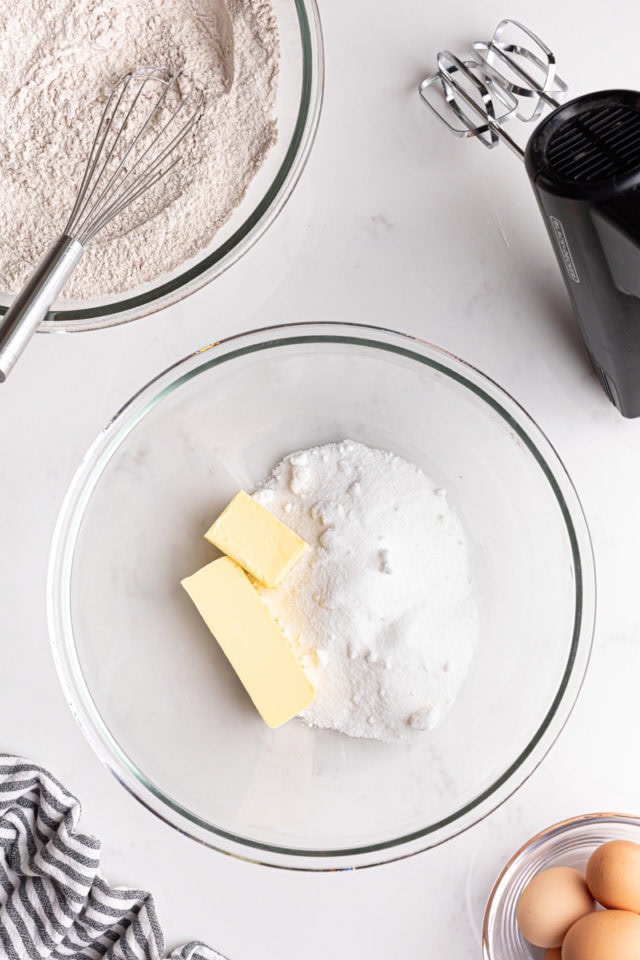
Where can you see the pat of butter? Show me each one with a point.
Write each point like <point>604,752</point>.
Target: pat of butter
<point>263,545</point>
<point>251,640</point>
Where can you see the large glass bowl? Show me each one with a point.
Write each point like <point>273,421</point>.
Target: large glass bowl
<point>150,687</point>
<point>297,111</point>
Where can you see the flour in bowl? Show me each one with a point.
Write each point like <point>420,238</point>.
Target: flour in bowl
<point>58,59</point>
<point>381,608</point>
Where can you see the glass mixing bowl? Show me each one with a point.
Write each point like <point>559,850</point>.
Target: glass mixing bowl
<point>154,694</point>
<point>566,844</point>
<point>297,110</point>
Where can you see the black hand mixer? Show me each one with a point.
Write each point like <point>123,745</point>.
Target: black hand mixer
<point>583,160</point>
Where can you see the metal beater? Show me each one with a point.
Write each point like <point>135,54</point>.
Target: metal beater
<point>583,160</point>
<point>483,92</point>
<point>148,114</point>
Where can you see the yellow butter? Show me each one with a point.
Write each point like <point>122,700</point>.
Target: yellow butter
<point>263,545</point>
<point>251,640</point>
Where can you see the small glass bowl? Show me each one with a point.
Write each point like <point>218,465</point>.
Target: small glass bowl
<point>569,843</point>
<point>297,112</point>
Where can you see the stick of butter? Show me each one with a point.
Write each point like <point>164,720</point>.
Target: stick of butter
<point>263,545</point>
<point>252,641</point>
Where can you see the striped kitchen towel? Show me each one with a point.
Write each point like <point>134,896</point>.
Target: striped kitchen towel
<point>53,901</point>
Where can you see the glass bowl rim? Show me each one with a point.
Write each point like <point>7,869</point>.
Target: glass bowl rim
<point>98,315</point>
<point>555,830</point>
<point>79,493</point>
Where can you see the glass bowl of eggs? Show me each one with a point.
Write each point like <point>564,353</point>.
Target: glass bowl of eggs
<point>572,892</point>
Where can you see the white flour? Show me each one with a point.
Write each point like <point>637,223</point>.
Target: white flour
<point>381,606</point>
<point>57,60</point>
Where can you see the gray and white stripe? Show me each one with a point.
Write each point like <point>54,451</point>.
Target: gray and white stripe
<point>53,902</point>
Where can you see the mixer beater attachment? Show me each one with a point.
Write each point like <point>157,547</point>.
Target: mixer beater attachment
<point>483,93</point>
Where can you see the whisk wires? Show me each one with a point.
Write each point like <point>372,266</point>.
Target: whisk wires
<point>146,117</point>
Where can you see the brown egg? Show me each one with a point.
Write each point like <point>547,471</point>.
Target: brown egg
<point>613,875</point>
<point>604,935</point>
<point>554,953</point>
<point>550,903</point>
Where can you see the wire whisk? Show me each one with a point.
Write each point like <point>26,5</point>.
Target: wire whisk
<point>147,116</point>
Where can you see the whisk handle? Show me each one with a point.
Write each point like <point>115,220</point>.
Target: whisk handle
<point>32,304</point>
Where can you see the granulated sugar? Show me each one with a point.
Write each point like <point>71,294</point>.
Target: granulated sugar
<point>381,608</point>
<point>57,61</point>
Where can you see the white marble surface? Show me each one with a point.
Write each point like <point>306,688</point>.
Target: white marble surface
<point>394,223</point>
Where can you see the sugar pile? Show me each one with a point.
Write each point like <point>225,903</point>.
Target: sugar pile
<point>381,608</point>
<point>57,62</point>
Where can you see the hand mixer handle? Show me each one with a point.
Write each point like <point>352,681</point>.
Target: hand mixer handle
<point>584,163</point>
<point>32,304</point>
